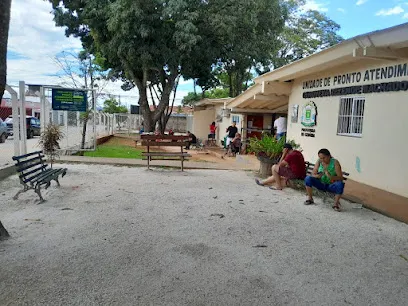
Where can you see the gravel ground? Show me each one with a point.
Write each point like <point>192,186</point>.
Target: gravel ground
<point>128,236</point>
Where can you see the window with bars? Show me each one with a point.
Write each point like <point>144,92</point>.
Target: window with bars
<point>235,119</point>
<point>351,116</point>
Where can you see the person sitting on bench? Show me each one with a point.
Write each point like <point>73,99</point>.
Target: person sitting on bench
<point>291,166</point>
<point>327,176</point>
<point>193,140</point>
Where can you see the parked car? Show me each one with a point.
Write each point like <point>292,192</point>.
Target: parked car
<point>33,126</point>
<point>3,131</point>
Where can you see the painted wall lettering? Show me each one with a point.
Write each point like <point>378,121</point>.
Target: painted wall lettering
<point>354,90</point>
<point>376,74</point>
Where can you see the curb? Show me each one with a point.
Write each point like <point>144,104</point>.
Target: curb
<point>101,162</point>
<point>7,171</point>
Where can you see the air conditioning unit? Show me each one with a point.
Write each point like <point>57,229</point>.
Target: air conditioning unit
<point>226,112</point>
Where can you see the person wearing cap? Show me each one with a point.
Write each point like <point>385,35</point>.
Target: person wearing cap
<point>291,166</point>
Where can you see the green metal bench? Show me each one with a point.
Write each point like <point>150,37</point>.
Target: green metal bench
<point>33,173</point>
<point>300,184</point>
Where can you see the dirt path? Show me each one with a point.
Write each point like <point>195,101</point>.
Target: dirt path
<point>129,236</point>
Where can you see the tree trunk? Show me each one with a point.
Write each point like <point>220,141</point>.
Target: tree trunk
<point>231,89</point>
<point>3,232</point>
<point>5,6</point>
<point>84,126</point>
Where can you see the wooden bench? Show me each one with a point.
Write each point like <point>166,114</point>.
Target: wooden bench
<point>300,184</point>
<point>136,140</point>
<point>34,172</point>
<point>165,141</point>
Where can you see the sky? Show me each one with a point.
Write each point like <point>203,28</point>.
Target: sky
<point>35,41</point>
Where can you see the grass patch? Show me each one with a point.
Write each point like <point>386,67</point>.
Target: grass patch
<point>115,149</point>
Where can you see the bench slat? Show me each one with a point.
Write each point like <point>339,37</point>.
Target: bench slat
<point>24,162</point>
<point>164,144</point>
<point>50,174</point>
<point>17,158</point>
<point>26,167</point>
<point>47,173</point>
<point>165,153</point>
<point>310,167</point>
<point>167,137</point>
<point>36,177</point>
<point>38,169</point>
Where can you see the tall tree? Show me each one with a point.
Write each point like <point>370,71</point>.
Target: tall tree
<point>82,71</point>
<point>150,44</point>
<point>305,33</point>
<point>5,7</point>
<point>250,35</point>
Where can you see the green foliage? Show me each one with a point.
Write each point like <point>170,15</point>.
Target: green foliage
<point>49,141</point>
<point>115,151</point>
<point>216,93</point>
<point>191,98</point>
<point>149,44</point>
<point>111,106</point>
<point>268,146</point>
<point>305,33</point>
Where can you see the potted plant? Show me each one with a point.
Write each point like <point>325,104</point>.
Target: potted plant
<point>49,141</point>
<point>268,151</point>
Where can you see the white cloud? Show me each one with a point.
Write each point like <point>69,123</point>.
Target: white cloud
<point>361,2</point>
<point>341,10</point>
<point>315,6</point>
<point>36,41</point>
<point>392,11</point>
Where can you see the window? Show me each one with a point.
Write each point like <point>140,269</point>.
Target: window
<point>235,118</point>
<point>351,116</point>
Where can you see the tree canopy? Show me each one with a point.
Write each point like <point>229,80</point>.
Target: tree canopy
<point>111,106</point>
<point>150,44</point>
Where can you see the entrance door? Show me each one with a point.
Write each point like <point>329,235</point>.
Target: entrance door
<point>255,126</point>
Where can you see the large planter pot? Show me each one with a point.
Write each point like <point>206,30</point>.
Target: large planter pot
<point>266,164</point>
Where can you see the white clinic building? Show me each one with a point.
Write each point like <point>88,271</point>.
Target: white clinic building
<point>353,100</point>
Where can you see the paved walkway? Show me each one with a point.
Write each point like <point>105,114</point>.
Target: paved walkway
<point>241,162</point>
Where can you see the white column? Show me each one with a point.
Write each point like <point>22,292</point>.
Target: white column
<point>42,109</point>
<point>23,124</point>
<point>16,131</point>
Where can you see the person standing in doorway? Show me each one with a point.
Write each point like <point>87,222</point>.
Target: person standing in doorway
<point>280,125</point>
<point>213,128</point>
<point>232,130</point>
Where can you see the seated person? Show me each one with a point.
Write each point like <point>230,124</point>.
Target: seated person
<point>290,166</point>
<point>236,143</point>
<point>193,140</point>
<point>327,176</point>
<point>171,132</point>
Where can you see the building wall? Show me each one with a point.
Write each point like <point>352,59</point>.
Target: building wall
<point>378,158</point>
<point>226,122</point>
<point>201,122</point>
